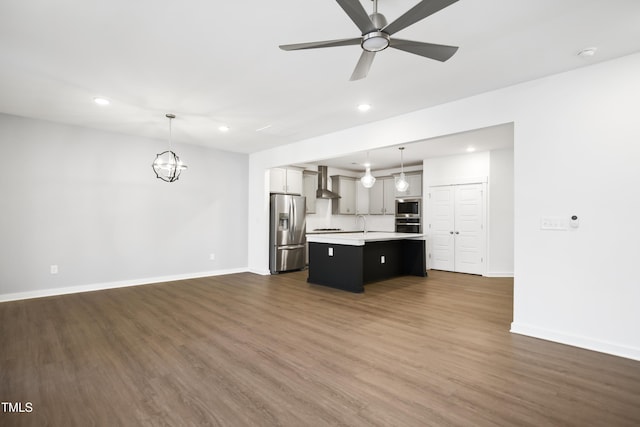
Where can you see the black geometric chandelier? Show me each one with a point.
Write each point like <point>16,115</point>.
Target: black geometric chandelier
<point>167,164</point>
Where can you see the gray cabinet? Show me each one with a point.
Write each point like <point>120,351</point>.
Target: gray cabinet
<point>362,199</point>
<point>285,180</point>
<point>415,185</point>
<point>345,186</point>
<point>309,187</point>
<point>382,196</point>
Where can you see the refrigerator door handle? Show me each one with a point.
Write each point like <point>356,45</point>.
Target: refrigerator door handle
<point>292,216</point>
<point>294,212</point>
<point>291,247</point>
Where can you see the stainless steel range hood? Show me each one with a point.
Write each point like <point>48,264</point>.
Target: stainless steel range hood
<point>323,192</point>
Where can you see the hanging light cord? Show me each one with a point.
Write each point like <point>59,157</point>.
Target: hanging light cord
<point>170,117</point>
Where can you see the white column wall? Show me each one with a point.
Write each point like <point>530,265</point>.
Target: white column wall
<point>576,152</point>
<point>500,256</point>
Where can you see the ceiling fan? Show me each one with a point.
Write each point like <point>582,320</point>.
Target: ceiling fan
<point>376,34</point>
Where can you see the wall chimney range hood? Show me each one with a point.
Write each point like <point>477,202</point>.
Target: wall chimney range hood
<point>323,192</point>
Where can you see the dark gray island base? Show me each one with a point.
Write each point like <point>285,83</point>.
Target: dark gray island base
<point>350,266</point>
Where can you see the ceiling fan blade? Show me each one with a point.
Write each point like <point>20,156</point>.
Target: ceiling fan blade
<point>439,52</point>
<point>363,66</point>
<point>326,43</point>
<point>417,13</point>
<point>358,15</point>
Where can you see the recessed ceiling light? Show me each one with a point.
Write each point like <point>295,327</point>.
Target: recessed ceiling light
<point>101,101</point>
<point>224,128</point>
<point>588,52</point>
<point>364,107</point>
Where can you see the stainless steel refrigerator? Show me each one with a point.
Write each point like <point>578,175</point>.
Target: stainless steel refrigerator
<point>287,236</point>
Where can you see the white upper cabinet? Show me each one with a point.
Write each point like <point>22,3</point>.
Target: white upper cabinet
<point>415,185</point>
<point>382,197</point>
<point>362,199</point>
<point>345,186</point>
<point>285,180</point>
<point>309,187</point>
<point>294,181</point>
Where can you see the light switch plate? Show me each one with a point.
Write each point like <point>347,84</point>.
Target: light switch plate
<point>553,223</point>
<point>330,251</point>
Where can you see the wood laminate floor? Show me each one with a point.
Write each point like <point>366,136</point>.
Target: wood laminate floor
<point>249,350</point>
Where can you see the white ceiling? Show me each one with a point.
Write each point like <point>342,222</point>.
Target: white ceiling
<point>490,138</point>
<point>218,62</point>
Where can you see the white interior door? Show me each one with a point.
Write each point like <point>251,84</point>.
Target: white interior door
<point>456,228</point>
<point>441,229</point>
<point>468,229</point>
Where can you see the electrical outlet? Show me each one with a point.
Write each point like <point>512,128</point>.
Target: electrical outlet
<point>53,269</point>
<point>330,251</point>
<point>212,257</point>
<point>382,260</point>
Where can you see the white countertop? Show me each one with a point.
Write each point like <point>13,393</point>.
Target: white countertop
<point>360,238</point>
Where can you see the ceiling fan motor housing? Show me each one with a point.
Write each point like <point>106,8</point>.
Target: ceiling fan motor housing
<point>376,41</point>
<point>378,19</point>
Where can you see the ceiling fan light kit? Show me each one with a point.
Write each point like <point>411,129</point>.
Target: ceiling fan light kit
<point>376,34</point>
<point>375,41</point>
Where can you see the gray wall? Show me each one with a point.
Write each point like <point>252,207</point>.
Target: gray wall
<point>89,202</point>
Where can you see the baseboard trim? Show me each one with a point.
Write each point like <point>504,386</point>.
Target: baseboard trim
<point>576,341</point>
<point>112,285</point>
<point>499,274</point>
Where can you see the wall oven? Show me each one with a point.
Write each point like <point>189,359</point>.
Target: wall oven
<point>408,216</point>
<point>408,225</point>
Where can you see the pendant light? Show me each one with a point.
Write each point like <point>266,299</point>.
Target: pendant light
<point>167,164</point>
<point>401,183</point>
<point>368,180</point>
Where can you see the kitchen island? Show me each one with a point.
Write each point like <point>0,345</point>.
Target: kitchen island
<point>348,261</point>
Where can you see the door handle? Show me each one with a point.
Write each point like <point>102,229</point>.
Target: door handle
<point>457,232</point>
<point>451,232</point>
<point>291,247</point>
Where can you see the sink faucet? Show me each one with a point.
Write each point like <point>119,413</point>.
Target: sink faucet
<point>364,222</point>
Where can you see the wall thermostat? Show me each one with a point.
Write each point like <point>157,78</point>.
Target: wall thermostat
<point>574,222</point>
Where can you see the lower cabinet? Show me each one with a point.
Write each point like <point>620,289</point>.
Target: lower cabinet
<point>350,267</point>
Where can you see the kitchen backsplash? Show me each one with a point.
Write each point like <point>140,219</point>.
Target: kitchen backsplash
<point>324,219</point>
